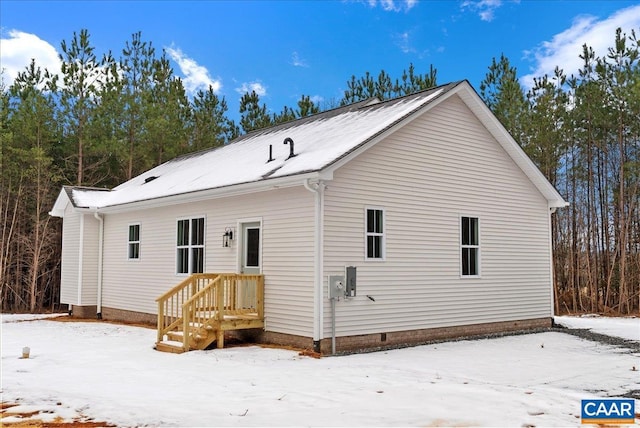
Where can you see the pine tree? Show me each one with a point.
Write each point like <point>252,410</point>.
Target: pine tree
<point>168,116</point>
<point>210,127</point>
<point>135,74</point>
<point>306,107</point>
<point>383,88</point>
<point>503,94</point>
<point>411,82</point>
<point>83,74</point>
<point>287,114</point>
<point>28,241</point>
<point>253,115</point>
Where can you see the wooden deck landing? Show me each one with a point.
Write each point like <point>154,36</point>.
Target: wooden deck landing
<point>197,312</point>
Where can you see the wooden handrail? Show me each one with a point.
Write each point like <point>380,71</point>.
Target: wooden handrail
<point>185,282</point>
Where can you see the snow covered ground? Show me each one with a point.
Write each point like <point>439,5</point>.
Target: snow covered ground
<point>111,373</point>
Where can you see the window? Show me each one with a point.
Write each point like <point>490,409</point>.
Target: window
<point>190,246</point>
<point>470,246</point>
<point>133,252</point>
<point>375,234</point>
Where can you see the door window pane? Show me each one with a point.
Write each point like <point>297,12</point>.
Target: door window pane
<point>253,247</point>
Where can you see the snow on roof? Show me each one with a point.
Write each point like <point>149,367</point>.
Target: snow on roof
<point>319,141</point>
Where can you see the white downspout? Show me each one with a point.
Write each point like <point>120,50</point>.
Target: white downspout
<point>80,260</point>
<point>552,210</point>
<point>100,245</point>
<point>318,189</point>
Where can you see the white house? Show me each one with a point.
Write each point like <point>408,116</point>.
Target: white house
<point>444,218</point>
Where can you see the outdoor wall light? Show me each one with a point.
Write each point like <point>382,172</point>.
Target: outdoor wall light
<point>227,237</point>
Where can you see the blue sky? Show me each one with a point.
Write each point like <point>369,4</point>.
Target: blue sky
<point>284,49</point>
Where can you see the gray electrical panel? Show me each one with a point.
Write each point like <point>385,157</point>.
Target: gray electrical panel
<point>350,282</point>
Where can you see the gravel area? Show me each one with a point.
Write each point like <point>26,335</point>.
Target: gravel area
<point>632,345</point>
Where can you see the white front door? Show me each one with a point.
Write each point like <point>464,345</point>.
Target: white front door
<point>251,254</point>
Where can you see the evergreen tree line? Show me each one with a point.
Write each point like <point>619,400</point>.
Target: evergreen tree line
<point>106,120</point>
<point>583,132</point>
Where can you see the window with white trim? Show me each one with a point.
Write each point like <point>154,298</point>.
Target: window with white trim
<point>133,251</point>
<point>470,246</point>
<point>190,245</point>
<point>375,234</point>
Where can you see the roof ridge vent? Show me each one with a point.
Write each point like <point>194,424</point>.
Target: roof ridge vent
<point>372,101</point>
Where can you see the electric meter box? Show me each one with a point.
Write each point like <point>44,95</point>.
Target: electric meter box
<point>336,286</point>
<point>343,285</point>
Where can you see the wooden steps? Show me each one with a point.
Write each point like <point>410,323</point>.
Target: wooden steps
<point>170,346</point>
<point>202,336</point>
<point>205,306</point>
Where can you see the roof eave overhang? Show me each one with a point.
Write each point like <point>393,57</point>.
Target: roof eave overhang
<point>208,194</point>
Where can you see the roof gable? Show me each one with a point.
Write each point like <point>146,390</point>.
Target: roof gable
<point>70,195</point>
<point>513,149</point>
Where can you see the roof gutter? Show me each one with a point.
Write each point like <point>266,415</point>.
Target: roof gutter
<point>207,194</point>
<point>98,217</point>
<point>317,188</point>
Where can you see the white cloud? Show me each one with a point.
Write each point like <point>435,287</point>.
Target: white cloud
<point>484,8</point>
<point>296,61</point>
<point>196,76</point>
<point>393,5</point>
<point>563,49</point>
<point>256,86</point>
<point>17,50</point>
<point>403,40</point>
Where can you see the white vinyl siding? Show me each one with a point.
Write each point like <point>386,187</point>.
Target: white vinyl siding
<point>90,244</point>
<point>287,254</point>
<point>442,165</point>
<point>79,271</point>
<point>70,257</point>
